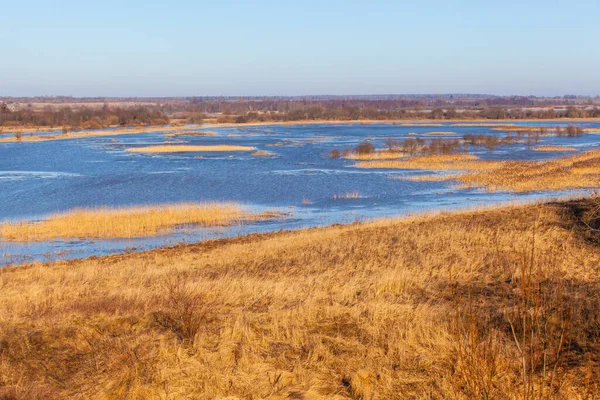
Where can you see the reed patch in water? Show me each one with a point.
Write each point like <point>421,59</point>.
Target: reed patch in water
<point>573,172</point>
<point>128,222</point>
<point>555,148</point>
<point>189,149</point>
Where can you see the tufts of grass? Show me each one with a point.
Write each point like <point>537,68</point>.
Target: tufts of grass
<point>192,133</point>
<point>263,154</point>
<point>571,172</point>
<point>555,148</point>
<point>127,222</point>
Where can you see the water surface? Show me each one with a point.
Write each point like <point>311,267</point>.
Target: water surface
<point>40,178</point>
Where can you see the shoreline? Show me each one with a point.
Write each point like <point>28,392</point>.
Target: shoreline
<point>94,133</point>
<point>385,304</point>
<point>56,134</point>
<point>424,215</point>
<point>417,122</point>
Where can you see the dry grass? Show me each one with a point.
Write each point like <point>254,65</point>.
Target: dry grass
<point>492,304</point>
<point>579,171</point>
<point>421,124</point>
<point>189,149</point>
<point>89,134</point>
<point>127,222</point>
<point>376,155</point>
<point>555,148</point>
<point>574,172</point>
<point>192,133</point>
<point>456,161</point>
<point>263,154</point>
<point>440,133</point>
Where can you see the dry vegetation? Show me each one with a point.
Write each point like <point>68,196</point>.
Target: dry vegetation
<point>127,222</point>
<point>263,154</point>
<point>440,133</point>
<point>555,148</point>
<point>573,172</point>
<point>23,137</point>
<point>480,305</point>
<point>189,149</point>
<point>192,133</point>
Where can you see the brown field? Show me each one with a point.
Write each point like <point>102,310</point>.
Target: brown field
<point>555,148</point>
<point>189,148</point>
<point>496,304</point>
<point>127,222</point>
<point>578,171</point>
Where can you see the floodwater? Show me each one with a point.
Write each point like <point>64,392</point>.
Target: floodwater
<point>40,178</point>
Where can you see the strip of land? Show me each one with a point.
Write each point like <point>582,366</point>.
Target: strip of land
<point>580,171</point>
<point>128,222</point>
<point>189,149</point>
<point>485,304</point>
<point>92,133</point>
<point>27,134</point>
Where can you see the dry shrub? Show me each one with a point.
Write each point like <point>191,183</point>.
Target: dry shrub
<point>364,148</point>
<point>186,311</point>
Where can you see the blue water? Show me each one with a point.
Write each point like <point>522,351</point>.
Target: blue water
<point>40,178</point>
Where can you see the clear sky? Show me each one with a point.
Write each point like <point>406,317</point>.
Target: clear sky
<point>228,47</point>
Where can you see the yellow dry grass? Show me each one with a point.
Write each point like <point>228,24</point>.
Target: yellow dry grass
<point>440,133</point>
<point>421,124</point>
<point>90,134</point>
<point>190,149</point>
<point>456,161</point>
<point>512,127</point>
<point>263,154</point>
<point>555,148</point>
<point>127,222</point>
<point>420,308</point>
<point>192,133</point>
<point>579,171</point>
<point>377,155</point>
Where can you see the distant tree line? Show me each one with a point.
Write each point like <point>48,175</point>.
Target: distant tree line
<point>84,118</point>
<point>353,112</point>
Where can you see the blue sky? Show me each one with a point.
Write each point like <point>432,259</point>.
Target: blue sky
<point>227,47</point>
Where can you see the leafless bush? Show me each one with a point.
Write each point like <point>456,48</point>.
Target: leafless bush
<point>186,310</point>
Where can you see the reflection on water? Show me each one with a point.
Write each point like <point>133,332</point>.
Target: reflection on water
<point>46,177</point>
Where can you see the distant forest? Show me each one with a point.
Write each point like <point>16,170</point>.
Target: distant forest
<point>94,113</point>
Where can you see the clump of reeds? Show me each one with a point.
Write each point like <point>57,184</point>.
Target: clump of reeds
<point>127,222</point>
<point>555,148</point>
<point>192,133</point>
<point>572,172</point>
<point>263,154</point>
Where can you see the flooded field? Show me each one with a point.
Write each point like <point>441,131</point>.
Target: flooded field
<point>286,169</point>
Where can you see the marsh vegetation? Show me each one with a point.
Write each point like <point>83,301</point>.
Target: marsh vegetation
<point>488,304</point>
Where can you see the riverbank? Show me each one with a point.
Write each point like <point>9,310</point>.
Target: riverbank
<point>445,306</point>
<point>28,134</point>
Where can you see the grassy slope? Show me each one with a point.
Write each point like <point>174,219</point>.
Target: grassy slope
<point>414,308</point>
